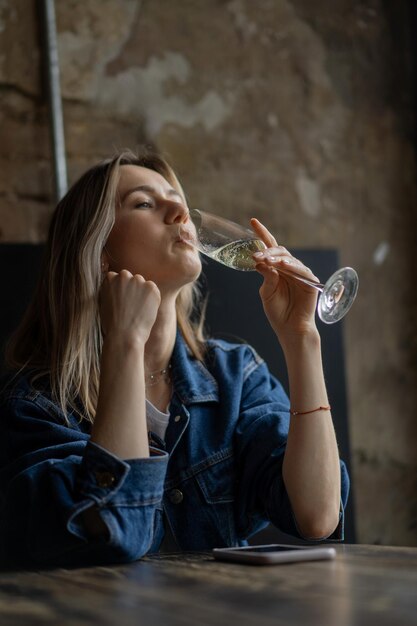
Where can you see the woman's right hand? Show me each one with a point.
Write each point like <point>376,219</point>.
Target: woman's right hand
<point>128,305</point>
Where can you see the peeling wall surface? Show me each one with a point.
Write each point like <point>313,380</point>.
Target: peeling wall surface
<point>298,112</point>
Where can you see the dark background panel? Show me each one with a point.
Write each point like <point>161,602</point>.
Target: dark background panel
<point>234,312</point>
<point>20,265</point>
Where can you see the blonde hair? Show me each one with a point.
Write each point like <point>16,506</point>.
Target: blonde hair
<point>60,336</point>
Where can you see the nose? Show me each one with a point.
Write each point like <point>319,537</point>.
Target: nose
<point>176,212</point>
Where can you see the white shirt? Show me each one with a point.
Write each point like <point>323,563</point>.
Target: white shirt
<point>157,421</point>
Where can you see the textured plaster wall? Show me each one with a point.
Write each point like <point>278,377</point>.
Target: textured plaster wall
<point>298,112</point>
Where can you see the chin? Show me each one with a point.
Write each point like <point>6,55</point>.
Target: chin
<point>191,275</point>
<point>190,267</point>
<point>179,275</point>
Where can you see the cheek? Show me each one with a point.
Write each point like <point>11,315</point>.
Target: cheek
<point>126,246</point>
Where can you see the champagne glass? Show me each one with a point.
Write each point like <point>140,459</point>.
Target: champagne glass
<point>233,245</point>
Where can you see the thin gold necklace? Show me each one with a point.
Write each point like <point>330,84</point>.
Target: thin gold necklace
<point>154,378</point>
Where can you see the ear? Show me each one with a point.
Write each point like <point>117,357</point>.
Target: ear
<point>105,261</point>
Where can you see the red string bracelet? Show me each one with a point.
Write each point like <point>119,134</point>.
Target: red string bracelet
<point>319,408</point>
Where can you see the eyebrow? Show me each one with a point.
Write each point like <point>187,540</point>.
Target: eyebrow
<point>149,189</point>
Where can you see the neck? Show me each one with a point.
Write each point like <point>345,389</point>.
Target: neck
<point>160,345</point>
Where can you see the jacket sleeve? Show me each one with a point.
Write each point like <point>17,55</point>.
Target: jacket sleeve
<point>51,474</point>
<point>261,439</point>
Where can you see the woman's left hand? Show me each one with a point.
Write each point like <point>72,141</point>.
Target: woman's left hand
<point>288,303</point>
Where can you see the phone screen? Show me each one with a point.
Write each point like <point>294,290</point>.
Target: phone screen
<point>268,548</point>
<point>273,553</point>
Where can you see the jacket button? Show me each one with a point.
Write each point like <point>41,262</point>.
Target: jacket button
<point>176,496</point>
<point>104,479</point>
<point>177,418</point>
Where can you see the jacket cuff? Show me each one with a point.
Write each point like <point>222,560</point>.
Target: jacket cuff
<point>105,478</point>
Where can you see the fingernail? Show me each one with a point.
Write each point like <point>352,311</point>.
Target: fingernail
<point>259,255</point>
<point>287,261</point>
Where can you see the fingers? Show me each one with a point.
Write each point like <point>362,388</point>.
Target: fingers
<point>275,254</point>
<point>280,259</point>
<point>129,305</point>
<point>272,253</point>
<point>125,280</point>
<point>277,257</point>
<point>125,275</point>
<point>263,233</point>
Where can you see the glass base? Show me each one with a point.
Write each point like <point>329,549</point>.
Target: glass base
<point>338,295</point>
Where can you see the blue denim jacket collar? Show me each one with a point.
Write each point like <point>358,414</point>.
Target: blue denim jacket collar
<point>192,380</point>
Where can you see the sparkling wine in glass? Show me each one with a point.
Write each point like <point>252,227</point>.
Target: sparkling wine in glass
<point>233,245</point>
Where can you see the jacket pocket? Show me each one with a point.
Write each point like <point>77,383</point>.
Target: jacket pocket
<point>216,483</point>
<point>217,480</point>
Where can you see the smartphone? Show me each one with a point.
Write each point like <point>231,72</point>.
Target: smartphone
<point>273,554</point>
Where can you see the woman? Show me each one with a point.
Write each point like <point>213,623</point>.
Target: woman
<point>124,430</point>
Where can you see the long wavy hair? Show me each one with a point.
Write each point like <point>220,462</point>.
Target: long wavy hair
<point>60,336</point>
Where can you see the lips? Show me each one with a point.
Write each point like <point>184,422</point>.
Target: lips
<point>185,236</point>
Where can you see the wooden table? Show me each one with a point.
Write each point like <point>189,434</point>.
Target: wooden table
<point>365,585</point>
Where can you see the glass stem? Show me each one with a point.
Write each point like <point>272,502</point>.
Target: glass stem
<point>307,281</point>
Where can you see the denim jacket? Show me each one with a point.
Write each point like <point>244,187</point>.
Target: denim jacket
<point>216,480</point>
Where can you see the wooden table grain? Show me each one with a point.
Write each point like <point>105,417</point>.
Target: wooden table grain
<point>364,585</point>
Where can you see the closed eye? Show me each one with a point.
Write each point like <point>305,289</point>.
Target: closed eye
<point>143,205</point>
